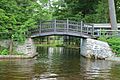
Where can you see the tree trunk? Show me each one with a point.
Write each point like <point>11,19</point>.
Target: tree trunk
<point>112,15</point>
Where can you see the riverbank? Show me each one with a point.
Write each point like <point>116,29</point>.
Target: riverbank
<point>113,59</point>
<point>21,51</point>
<point>114,43</point>
<point>18,56</point>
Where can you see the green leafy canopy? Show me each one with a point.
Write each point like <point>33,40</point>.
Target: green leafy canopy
<point>17,16</point>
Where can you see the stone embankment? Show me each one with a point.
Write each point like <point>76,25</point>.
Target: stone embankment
<point>96,49</point>
<point>27,49</point>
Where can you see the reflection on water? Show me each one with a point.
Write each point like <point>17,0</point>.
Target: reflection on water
<point>96,69</point>
<point>59,63</point>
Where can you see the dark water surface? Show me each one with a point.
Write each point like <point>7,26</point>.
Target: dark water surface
<point>59,64</point>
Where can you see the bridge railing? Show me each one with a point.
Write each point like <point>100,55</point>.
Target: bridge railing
<point>109,33</point>
<point>63,26</point>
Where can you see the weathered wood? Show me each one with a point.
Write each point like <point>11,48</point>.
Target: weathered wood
<point>67,25</point>
<point>92,30</point>
<point>81,27</point>
<point>87,29</point>
<point>61,26</point>
<point>40,27</point>
<point>55,25</point>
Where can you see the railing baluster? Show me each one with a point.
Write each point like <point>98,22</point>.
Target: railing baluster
<point>64,26</point>
<point>81,26</point>
<point>87,28</point>
<point>77,26</point>
<point>55,25</point>
<point>40,27</point>
<point>92,30</point>
<point>67,25</point>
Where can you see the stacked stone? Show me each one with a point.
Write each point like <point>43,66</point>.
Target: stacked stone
<point>27,48</point>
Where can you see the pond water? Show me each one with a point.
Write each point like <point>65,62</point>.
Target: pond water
<point>59,63</point>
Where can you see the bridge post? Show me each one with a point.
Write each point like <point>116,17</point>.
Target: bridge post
<point>55,25</point>
<point>40,27</point>
<point>77,27</point>
<point>92,30</point>
<point>81,26</point>
<point>87,28</point>
<point>67,25</point>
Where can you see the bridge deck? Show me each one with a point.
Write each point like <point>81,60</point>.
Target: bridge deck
<point>63,33</point>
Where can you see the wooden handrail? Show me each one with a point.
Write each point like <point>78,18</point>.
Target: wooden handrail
<point>66,25</point>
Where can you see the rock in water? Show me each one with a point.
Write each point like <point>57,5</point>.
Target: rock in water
<point>96,49</point>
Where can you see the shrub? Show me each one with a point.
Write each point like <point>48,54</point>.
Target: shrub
<point>4,52</point>
<point>114,43</point>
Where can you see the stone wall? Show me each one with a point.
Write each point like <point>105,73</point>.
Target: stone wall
<point>27,48</point>
<point>4,43</point>
<point>91,48</point>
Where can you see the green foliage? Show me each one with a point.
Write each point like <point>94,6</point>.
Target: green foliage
<point>4,52</point>
<point>89,11</point>
<point>117,3</point>
<point>17,16</point>
<point>103,36</point>
<point>95,11</point>
<point>114,43</point>
<point>102,12</point>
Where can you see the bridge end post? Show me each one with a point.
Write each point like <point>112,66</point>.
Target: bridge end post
<point>55,25</point>
<point>67,25</point>
<point>40,27</point>
<point>81,26</point>
<point>92,30</point>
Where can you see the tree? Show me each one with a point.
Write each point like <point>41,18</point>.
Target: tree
<point>117,6</point>
<point>102,12</point>
<point>17,16</point>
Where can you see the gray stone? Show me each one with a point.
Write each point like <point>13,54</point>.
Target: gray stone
<point>96,49</point>
<point>27,48</point>
<point>4,43</point>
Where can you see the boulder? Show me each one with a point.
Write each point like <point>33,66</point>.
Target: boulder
<point>96,49</point>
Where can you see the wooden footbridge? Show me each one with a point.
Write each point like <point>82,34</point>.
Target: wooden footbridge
<point>68,27</point>
<point>63,27</point>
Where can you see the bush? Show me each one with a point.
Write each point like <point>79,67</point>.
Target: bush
<point>114,43</point>
<point>4,52</point>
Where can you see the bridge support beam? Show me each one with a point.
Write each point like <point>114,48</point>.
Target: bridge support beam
<point>81,42</point>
